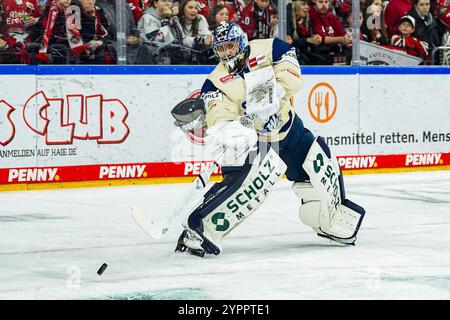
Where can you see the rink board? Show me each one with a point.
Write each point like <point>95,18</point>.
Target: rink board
<point>112,123</point>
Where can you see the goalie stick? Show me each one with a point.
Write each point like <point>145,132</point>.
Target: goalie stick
<point>157,229</point>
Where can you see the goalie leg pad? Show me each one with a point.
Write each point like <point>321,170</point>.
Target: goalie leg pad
<point>336,217</point>
<point>248,197</point>
<point>231,204</point>
<point>193,239</point>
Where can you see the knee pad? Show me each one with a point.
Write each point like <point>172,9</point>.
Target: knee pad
<point>310,204</point>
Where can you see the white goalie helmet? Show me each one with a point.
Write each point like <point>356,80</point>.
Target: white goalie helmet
<point>230,45</point>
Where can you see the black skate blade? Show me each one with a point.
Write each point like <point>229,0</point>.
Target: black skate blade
<point>197,253</point>
<point>346,242</point>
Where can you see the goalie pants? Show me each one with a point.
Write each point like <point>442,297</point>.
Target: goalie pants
<point>292,150</point>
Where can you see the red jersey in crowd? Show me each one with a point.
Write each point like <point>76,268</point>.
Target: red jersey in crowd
<point>410,45</point>
<point>235,7</point>
<point>325,25</point>
<point>302,29</point>
<point>256,22</point>
<point>394,11</point>
<point>440,5</point>
<point>444,12</point>
<point>12,12</point>
<point>94,25</point>
<point>137,8</point>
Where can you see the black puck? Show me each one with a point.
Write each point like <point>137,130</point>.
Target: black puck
<point>102,268</point>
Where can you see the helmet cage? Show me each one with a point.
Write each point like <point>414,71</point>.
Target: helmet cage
<point>230,46</point>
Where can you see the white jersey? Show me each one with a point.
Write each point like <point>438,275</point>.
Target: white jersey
<point>225,95</point>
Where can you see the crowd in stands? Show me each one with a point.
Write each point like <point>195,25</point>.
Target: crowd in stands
<point>180,32</point>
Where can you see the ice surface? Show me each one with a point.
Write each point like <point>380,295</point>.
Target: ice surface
<point>54,241</point>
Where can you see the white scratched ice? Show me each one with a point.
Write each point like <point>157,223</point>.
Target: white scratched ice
<point>53,242</point>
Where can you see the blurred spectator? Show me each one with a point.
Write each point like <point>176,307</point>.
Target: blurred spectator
<point>274,24</point>
<point>406,41</point>
<point>300,34</point>
<point>160,25</point>
<point>327,25</point>
<point>94,32</point>
<point>218,14</point>
<point>335,40</point>
<point>171,38</point>
<point>374,26</point>
<point>137,53</point>
<point>444,18</point>
<point>137,8</point>
<point>58,33</point>
<point>234,7</point>
<point>426,28</point>
<point>342,7</point>
<point>257,19</point>
<point>17,17</point>
<point>394,11</point>
<point>363,31</point>
<point>204,7</point>
<point>195,27</point>
<point>444,15</point>
<point>343,10</point>
<point>437,6</point>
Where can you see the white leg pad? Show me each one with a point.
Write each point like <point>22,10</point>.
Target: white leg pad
<point>324,206</point>
<point>313,212</point>
<point>344,223</point>
<point>258,184</point>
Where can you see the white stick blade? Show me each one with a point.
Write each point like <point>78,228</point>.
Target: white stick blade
<point>146,224</point>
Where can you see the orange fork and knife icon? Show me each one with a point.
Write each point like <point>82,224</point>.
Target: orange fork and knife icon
<point>322,106</point>
<point>318,102</point>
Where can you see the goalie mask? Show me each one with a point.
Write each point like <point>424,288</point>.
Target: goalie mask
<point>230,46</point>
